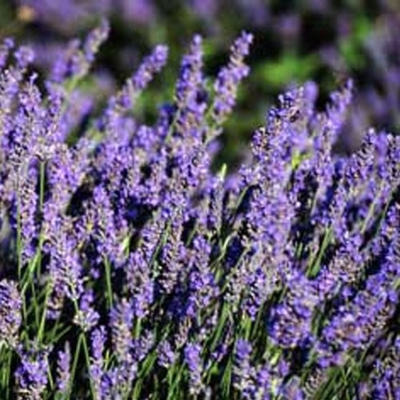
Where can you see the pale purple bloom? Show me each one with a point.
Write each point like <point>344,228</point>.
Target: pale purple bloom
<point>86,317</point>
<point>64,370</point>
<point>242,371</point>
<point>192,354</point>
<point>121,320</point>
<point>31,375</point>
<point>10,313</point>
<point>166,354</point>
<point>96,368</point>
<point>229,78</point>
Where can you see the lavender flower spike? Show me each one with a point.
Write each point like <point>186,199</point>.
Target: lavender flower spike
<point>96,368</point>
<point>10,313</point>
<point>194,362</point>
<point>63,370</point>
<point>229,78</point>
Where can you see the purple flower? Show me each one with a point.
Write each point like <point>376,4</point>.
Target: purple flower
<point>86,317</point>
<point>10,313</point>
<point>64,370</point>
<point>259,284</point>
<point>190,94</point>
<point>140,284</point>
<point>121,320</point>
<point>96,368</point>
<point>172,257</point>
<point>24,56</point>
<point>166,354</point>
<point>192,356</point>
<point>292,319</point>
<point>384,381</point>
<point>77,60</point>
<point>65,270</point>
<point>31,375</point>
<point>150,66</point>
<point>229,77</point>
<point>242,371</point>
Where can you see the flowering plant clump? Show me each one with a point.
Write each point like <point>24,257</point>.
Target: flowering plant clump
<point>309,38</point>
<point>130,270</point>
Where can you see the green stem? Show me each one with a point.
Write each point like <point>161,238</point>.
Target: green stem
<point>41,204</point>
<point>43,319</point>
<point>19,240</point>
<point>75,361</point>
<point>138,327</point>
<point>5,363</point>
<point>87,357</point>
<point>108,283</point>
<point>315,263</point>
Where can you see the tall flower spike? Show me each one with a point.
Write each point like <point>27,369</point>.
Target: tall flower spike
<point>190,95</point>
<point>64,370</point>
<point>140,284</point>
<point>96,368</point>
<point>27,207</point>
<point>242,370</point>
<point>75,64</point>
<point>10,313</point>
<point>65,270</point>
<point>118,128</point>
<point>171,257</point>
<point>121,319</point>
<point>195,364</point>
<point>151,65</point>
<point>229,77</point>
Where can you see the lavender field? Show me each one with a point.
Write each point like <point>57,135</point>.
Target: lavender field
<point>137,263</point>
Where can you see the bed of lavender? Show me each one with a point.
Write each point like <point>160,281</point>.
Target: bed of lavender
<point>130,269</point>
<point>294,41</point>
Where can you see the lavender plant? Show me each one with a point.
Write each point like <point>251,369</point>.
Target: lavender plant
<point>133,270</point>
<point>305,40</point>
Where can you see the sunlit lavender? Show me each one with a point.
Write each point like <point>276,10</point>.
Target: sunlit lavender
<point>133,268</point>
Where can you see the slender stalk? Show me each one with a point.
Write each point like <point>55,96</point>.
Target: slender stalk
<point>107,268</point>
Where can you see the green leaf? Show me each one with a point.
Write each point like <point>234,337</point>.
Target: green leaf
<point>287,69</point>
